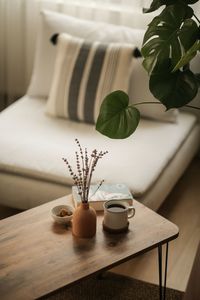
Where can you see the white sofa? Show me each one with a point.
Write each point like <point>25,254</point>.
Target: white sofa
<point>32,145</point>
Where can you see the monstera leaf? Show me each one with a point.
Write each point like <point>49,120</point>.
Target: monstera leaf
<point>197,76</point>
<point>158,3</point>
<point>174,89</point>
<point>168,35</point>
<point>186,58</point>
<point>170,42</point>
<point>117,119</point>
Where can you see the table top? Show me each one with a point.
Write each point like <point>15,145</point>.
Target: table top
<point>38,256</point>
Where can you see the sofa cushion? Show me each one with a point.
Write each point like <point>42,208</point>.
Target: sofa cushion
<point>32,144</point>
<point>85,72</point>
<point>52,22</point>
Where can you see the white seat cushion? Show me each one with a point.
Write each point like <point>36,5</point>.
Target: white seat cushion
<point>32,144</point>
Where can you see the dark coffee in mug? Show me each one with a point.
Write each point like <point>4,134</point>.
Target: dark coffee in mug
<point>116,207</point>
<point>116,214</point>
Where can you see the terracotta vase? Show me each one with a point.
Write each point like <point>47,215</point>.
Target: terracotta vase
<point>84,221</point>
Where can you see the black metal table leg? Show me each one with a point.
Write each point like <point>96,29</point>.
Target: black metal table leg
<point>162,289</point>
<point>166,264</point>
<point>160,270</point>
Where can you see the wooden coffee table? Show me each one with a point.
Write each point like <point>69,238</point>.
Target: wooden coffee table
<point>38,256</point>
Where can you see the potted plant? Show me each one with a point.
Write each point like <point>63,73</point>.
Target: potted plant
<point>171,41</point>
<point>84,216</point>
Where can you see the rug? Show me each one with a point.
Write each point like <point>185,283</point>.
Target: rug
<point>113,287</point>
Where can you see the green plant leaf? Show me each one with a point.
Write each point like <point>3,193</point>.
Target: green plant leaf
<point>117,119</point>
<point>189,33</point>
<point>197,76</point>
<point>168,35</point>
<point>158,3</point>
<point>174,89</point>
<point>191,1</point>
<point>186,58</point>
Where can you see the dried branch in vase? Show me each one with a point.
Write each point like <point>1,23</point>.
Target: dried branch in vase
<point>85,165</point>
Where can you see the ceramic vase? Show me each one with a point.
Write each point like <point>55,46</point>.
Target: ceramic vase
<point>84,221</point>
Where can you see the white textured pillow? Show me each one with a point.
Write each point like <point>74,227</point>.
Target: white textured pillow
<point>139,92</point>
<point>85,72</point>
<point>51,23</point>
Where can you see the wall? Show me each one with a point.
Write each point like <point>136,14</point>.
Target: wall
<point>19,21</point>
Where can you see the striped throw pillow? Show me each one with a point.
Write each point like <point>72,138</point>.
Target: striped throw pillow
<point>84,74</point>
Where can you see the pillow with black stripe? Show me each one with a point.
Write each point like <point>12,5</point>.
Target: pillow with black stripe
<point>85,72</point>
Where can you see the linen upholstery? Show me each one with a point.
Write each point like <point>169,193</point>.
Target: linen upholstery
<point>23,192</point>
<point>39,143</point>
<point>84,74</point>
<point>91,31</point>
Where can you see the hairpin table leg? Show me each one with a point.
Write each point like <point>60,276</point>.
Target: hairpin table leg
<point>162,289</point>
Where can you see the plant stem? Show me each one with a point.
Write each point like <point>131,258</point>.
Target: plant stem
<point>99,185</point>
<point>196,18</point>
<point>139,103</point>
<point>194,107</point>
<point>151,102</point>
<point>89,175</point>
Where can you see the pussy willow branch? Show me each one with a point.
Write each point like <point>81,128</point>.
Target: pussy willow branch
<point>99,185</point>
<point>93,160</point>
<point>84,170</point>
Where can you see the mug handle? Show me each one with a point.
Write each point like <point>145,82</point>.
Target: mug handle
<point>132,209</point>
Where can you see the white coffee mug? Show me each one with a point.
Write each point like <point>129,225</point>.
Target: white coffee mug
<point>116,214</point>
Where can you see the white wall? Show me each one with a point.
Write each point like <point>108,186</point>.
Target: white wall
<point>18,27</point>
<point>19,23</point>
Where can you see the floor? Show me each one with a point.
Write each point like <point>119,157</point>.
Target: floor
<point>181,207</point>
<point>7,212</point>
